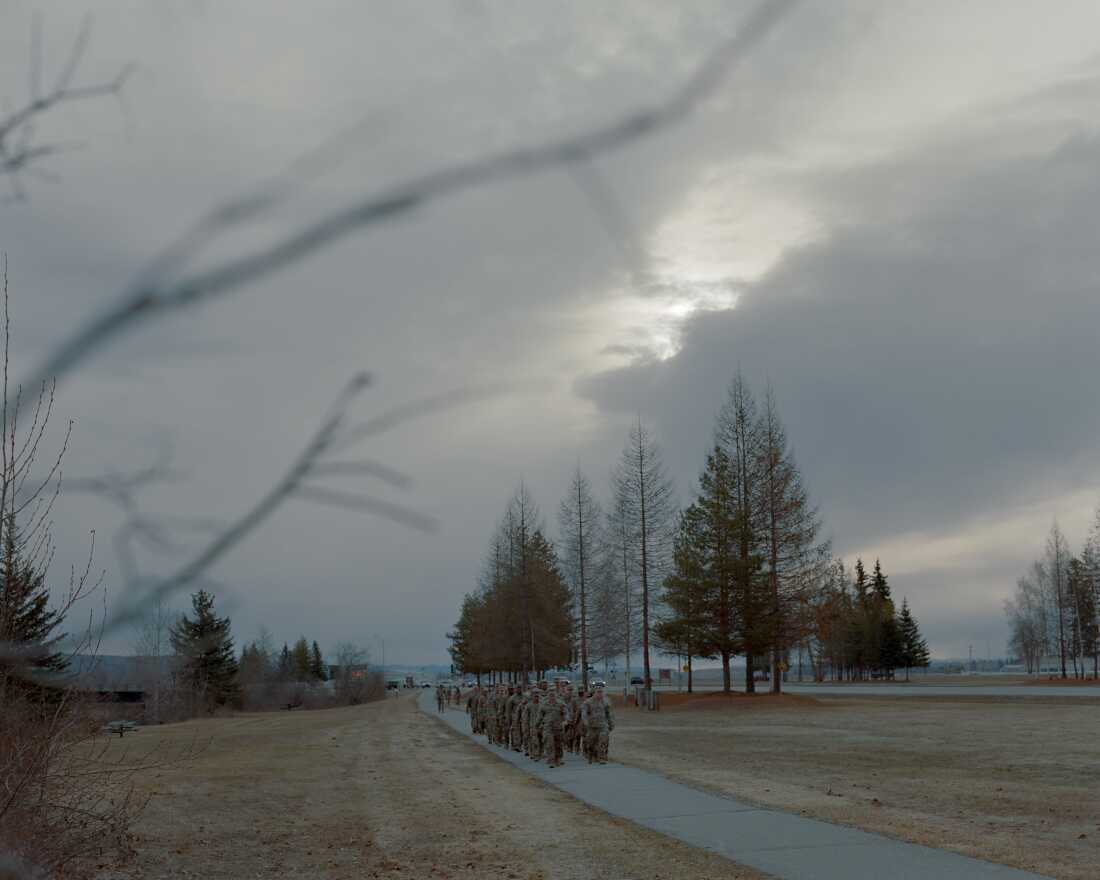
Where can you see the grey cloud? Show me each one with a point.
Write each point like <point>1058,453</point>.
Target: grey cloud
<point>935,356</point>
<point>487,287</point>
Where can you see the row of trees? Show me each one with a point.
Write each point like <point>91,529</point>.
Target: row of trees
<point>851,628</point>
<point>740,571</point>
<point>203,672</point>
<point>303,663</point>
<point>519,622</point>
<point>1054,616</point>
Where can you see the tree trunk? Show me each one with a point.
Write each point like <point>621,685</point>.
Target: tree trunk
<point>645,576</point>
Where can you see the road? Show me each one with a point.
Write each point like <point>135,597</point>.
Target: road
<point>910,690</point>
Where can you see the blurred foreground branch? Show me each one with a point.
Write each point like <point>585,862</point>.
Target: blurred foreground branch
<point>162,288</point>
<point>19,151</point>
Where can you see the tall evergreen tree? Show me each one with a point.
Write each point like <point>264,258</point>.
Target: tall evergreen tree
<point>254,666</point>
<point>914,649</point>
<point>739,432</point>
<point>300,660</point>
<point>317,668</point>
<point>688,628</point>
<point>879,584</point>
<point>26,619</point>
<point>284,668</point>
<point>205,646</point>
<point>717,532</point>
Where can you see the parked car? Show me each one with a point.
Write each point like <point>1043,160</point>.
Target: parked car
<point>598,683</point>
<point>637,681</point>
<point>563,680</point>
<point>425,684</point>
<point>469,683</point>
<point>392,684</point>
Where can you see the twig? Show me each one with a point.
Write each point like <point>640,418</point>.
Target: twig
<point>151,295</point>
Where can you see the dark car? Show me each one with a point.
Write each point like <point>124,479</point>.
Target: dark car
<point>638,681</point>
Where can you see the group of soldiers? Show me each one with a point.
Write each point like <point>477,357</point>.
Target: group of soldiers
<point>543,721</point>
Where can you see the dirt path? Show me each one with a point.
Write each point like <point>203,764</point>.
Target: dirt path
<point>378,791</point>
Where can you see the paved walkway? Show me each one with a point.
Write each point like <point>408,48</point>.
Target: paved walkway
<point>1021,692</point>
<point>782,844</point>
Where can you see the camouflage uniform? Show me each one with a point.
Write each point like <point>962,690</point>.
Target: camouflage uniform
<point>534,733</point>
<point>514,707</point>
<point>572,723</point>
<point>582,727</point>
<point>482,704</point>
<point>504,708</point>
<point>491,715</point>
<point>599,723</point>
<point>551,730</point>
<point>471,710</point>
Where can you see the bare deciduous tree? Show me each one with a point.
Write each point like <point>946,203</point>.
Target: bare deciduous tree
<point>642,485</point>
<point>580,519</point>
<point>790,529</point>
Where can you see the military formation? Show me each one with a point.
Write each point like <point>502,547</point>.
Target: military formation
<point>543,721</point>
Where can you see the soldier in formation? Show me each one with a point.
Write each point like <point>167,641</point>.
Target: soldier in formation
<point>543,722</point>
<point>598,724</point>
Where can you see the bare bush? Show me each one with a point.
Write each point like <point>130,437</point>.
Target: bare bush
<point>68,795</point>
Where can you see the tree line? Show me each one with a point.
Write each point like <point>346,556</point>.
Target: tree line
<point>1054,614</point>
<point>203,672</point>
<point>741,571</point>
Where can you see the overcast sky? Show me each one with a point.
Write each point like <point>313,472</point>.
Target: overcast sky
<point>889,212</point>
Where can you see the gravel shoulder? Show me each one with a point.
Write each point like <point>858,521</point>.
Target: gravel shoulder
<point>377,791</point>
<point>1012,781</point>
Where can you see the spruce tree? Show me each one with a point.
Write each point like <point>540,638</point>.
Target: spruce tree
<point>689,596</point>
<point>317,664</point>
<point>738,429</point>
<point>914,649</point>
<point>885,648</point>
<point>716,532</point>
<point>26,619</point>
<point>205,646</point>
<point>860,582</point>
<point>254,665</point>
<point>284,669</point>
<point>300,660</point>
<point>879,585</point>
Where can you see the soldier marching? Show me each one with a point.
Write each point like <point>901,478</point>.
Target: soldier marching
<point>543,721</point>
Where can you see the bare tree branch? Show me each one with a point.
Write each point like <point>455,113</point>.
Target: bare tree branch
<point>18,152</point>
<point>153,294</point>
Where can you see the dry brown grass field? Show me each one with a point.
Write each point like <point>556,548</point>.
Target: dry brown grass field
<point>1015,781</point>
<point>374,791</point>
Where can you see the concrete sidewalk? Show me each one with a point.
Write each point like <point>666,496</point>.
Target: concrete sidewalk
<point>782,844</point>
